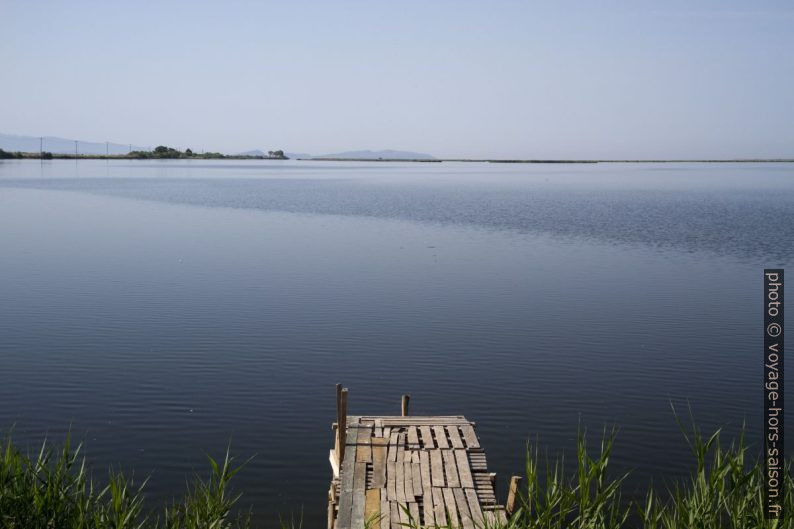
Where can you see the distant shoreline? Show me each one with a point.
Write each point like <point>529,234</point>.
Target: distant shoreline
<point>64,156</point>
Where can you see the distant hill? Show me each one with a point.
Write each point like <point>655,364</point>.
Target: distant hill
<point>13,143</point>
<point>253,152</point>
<point>375,155</point>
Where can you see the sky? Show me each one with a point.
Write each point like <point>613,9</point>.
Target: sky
<point>497,79</point>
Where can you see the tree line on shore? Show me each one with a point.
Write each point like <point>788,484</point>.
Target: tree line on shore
<point>159,152</point>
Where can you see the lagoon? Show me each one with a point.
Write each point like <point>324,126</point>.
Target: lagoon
<point>159,310</point>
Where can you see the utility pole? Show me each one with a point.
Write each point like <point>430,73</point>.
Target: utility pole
<point>41,147</point>
<point>75,149</point>
<point>107,149</point>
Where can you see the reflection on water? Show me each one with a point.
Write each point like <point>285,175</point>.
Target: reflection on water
<point>161,309</point>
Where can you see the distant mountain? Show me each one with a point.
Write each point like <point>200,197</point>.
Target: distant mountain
<point>375,155</point>
<point>13,143</point>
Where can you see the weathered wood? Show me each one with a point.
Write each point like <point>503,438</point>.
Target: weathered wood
<point>439,510</point>
<point>346,475</point>
<point>512,494</point>
<point>427,437</point>
<point>400,447</point>
<point>424,470</point>
<point>454,437</point>
<point>437,468</point>
<point>409,482</point>
<point>372,507</point>
<point>413,509</point>
<point>452,509</point>
<point>464,472</point>
<point>395,516</point>
<point>385,512</point>
<point>416,470</point>
<point>413,437</point>
<point>469,436</point>
<point>364,442</point>
<point>463,509</point>
<point>359,495</point>
<point>399,482</point>
<point>450,469</point>
<point>340,433</point>
<point>474,507</point>
<point>416,479</point>
<point>441,437</point>
<point>427,508</point>
<point>391,478</point>
<point>404,405</point>
<point>393,439</point>
<point>379,462</point>
<point>341,424</point>
<point>331,507</point>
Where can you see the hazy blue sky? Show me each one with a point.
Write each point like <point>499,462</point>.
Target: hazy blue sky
<point>500,79</point>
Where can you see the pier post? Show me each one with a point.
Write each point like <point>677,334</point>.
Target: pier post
<point>404,406</point>
<point>512,495</point>
<point>338,422</point>
<point>341,427</point>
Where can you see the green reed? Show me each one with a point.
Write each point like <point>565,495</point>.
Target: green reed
<point>53,489</point>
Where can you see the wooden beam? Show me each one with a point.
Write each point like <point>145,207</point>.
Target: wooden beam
<point>404,406</point>
<point>341,429</point>
<point>512,494</point>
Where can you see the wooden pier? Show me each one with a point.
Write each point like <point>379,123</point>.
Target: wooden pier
<point>400,471</point>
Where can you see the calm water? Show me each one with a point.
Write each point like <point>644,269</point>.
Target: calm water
<point>162,309</point>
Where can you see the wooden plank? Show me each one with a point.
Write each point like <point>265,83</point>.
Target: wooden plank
<point>372,507</point>
<point>438,507</point>
<point>385,512</point>
<point>452,510</point>
<point>413,437</point>
<point>418,421</point>
<point>364,441</point>
<point>427,437</point>
<point>437,468</point>
<point>400,447</point>
<point>469,436</point>
<point>463,509</point>
<point>462,460</point>
<point>347,474</point>
<point>474,507</point>
<point>413,509</point>
<point>404,519</point>
<point>427,508</point>
<point>424,470</point>
<point>395,515</point>
<point>441,437</point>
<point>409,482</point>
<point>416,479</point>
<point>450,469</point>
<point>391,476</point>
<point>454,437</point>
<point>379,462</point>
<point>399,482</point>
<point>393,439</point>
<point>359,487</point>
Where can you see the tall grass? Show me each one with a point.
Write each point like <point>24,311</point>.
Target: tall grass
<point>53,489</point>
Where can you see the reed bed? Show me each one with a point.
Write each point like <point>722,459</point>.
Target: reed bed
<point>53,489</point>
